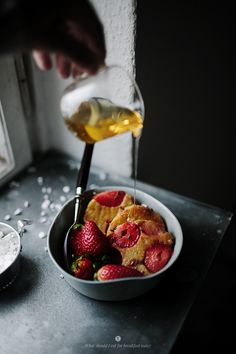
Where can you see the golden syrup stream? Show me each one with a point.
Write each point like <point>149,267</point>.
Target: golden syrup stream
<point>136,141</point>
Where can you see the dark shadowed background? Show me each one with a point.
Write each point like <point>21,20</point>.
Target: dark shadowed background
<point>185,65</point>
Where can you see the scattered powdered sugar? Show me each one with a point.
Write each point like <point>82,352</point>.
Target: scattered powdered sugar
<point>40,180</point>
<point>43,219</point>
<point>52,206</point>
<point>62,198</point>
<point>9,247</point>
<point>42,234</point>
<point>66,189</point>
<point>45,204</point>
<point>7,217</point>
<point>18,211</point>
<point>47,190</point>
<point>26,204</point>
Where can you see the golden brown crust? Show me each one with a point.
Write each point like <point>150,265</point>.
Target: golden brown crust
<point>135,212</point>
<point>103,215</point>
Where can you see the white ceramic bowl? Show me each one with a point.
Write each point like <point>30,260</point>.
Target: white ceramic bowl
<point>111,290</point>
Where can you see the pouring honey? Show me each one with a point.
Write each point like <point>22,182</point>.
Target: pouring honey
<point>98,107</point>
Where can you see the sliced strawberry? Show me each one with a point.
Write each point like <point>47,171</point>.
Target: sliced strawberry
<point>82,268</point>
<point>151,228</point>
<point>126,235</point>
<point>91,240</point>
<point>157,256</point>
<point>115,271</point>
<point>110,198</point>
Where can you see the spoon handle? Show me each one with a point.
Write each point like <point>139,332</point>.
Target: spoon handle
<point>83,176</point>
<point>85,166</point>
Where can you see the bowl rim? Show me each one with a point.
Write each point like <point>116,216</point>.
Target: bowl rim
<point>119,280</point>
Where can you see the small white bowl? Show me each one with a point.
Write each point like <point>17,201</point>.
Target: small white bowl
<point>13,247</point>
<point>118,289</point>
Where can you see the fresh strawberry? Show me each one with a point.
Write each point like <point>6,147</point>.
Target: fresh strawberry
<point>110,198</point>
<point>82,268</point>
<point>126,235</point>
<point>74,239</point>
<point>115,271</point>
<point>150,227</point>
<point>157,256</point>
<point>91,240</point>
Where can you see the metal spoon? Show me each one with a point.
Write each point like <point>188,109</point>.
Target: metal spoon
<point>80,188</point>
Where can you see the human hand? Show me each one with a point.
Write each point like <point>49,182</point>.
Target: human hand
<point>70,29</point>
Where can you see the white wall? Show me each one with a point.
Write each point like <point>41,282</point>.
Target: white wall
<point>114,154</point>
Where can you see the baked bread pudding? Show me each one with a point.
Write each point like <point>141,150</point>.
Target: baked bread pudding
<point>135,231</point>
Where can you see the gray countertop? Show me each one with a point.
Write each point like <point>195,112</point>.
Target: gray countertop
<point>41,314</point>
